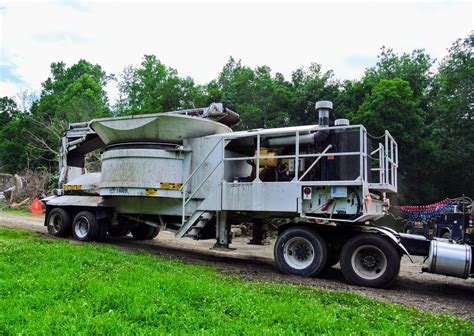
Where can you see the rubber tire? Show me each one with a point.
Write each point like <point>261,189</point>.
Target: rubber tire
<point>157,230</point>
<point>94,226</point>
<point>144,232</point>
<point>446,235</point>
<point>387,278</point>
<point>65,219</point>
<point>319,246</point>
<point>118,231</point>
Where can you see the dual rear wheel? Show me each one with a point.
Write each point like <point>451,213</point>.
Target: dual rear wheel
<point>58,222</point>
<point>370,260</point>
<point>366,259</point>
<point>300,251</point>
<point>86,227</point>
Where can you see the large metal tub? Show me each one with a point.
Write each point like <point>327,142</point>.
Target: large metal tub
<point>166,128</point>
<point>142,172</point>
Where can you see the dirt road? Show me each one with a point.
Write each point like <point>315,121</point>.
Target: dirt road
<point>429,292</point>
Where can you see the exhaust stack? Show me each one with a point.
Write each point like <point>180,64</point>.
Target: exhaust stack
<point>324,108</point>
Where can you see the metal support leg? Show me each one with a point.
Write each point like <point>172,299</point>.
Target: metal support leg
<point>223,231</point>
<point>259,233</point>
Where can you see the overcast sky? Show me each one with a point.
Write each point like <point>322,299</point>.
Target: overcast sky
<point>198,38</point>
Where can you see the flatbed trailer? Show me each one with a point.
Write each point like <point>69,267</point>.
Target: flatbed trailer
<point>188,172</point>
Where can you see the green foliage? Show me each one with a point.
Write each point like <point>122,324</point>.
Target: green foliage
<point>153,88</point>
<point>260,99</point>
<point>53,181</point>
<point>8,111</point>
<point>73,94</point>
<point>55,287</point>
<point>309,86</point>
<point>31,140</point>
<point>391,105</point>
<point>9,125</point>
<point>453,122</point>
<point>394,95</point>
<point>14,155</point>
<point>413,68</point>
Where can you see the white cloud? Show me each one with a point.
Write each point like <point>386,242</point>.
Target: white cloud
<point>198,38</point>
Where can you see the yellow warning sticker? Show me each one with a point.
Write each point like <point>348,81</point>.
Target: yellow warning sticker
<point>151,192</point>
<point>72,187</point>
<point>170,186</point>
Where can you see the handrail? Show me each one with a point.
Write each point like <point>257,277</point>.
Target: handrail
<point>203,181</point>
<point>387,151</point>
<point>315,161</point>
<point>246,158</point>
<point>382,176</point>
<point>200,164</point>
<point>185,200</point>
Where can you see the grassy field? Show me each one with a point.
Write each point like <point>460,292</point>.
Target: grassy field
<point>23,212</point>
<point>58,287</point>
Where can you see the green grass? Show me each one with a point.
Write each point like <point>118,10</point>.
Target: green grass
<point>22,212</point>
<point>58,287</point>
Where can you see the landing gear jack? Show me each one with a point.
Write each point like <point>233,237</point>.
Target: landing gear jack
<point>259,233</point>
<point>223,234</point>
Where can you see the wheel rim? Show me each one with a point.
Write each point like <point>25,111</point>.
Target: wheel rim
<point>55,223</point>
<point>369,262</point>
<point>82,227</point>
<point>298,253</point>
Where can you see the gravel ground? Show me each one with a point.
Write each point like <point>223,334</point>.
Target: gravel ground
<point>435,293</point>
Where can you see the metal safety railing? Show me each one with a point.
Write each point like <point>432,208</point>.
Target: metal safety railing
<point>387,149</point>
<point>386,163</point>
<point>184,187</point>
<point>387,167</point>
<point>257,158</point>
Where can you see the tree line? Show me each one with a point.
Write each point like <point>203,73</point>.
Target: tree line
<point>426,105</point>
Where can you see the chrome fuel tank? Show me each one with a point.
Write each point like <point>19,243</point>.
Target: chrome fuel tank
<point>449,258</point>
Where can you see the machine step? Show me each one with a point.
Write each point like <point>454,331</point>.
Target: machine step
<point>195,224</point>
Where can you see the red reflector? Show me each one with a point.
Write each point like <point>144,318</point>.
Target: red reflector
<point>307,191</point>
